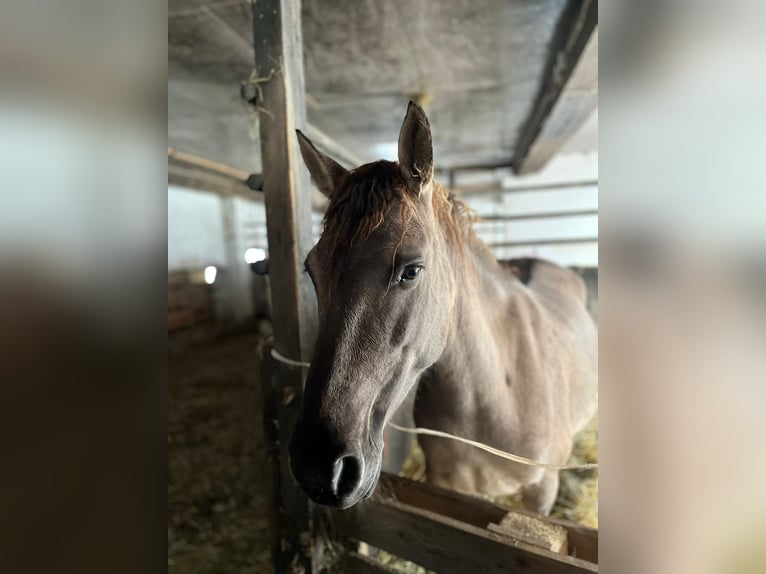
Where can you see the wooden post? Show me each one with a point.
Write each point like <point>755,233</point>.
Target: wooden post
<point>279,69</point>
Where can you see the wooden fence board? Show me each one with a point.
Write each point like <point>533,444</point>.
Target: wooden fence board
<point>583,541</point>
<point>444,544</point>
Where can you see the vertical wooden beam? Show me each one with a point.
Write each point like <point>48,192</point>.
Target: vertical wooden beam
<point>287,191</point>
<point>568,93</point>
<point>279,69</point>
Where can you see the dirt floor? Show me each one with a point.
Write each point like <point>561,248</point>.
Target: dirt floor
<point>216,511</point>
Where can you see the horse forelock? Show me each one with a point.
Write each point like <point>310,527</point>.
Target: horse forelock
<point>362,200</point>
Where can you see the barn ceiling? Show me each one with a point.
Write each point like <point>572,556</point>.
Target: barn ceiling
<point>477,64</point>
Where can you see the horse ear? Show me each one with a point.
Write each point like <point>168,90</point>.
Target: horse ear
<point>325,171</point>
<point>416,155</point>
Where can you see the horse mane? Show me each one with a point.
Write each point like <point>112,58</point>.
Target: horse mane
<point>361,201</point>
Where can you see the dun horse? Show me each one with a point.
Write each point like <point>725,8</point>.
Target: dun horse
<point>408,295</point>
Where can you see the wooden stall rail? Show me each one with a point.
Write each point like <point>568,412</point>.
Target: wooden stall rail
<point>450,533</point>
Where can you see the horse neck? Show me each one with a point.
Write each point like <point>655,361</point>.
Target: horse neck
<point>480,288</point>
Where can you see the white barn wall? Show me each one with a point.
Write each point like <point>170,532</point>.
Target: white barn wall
<point>195,230</point>
<point>575,227</point>
<point>562,229</point>
<point>569,255</point>
<point>207,229</point>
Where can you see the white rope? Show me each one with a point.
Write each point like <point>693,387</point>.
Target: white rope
<point>497,452</point>
<point>282,359</point>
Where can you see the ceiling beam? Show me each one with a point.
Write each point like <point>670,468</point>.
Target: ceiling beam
<point>195,172</point>
<point>568,94</point>
<point>328,145</point>
<point>208,164</point>
<point>193,177</point>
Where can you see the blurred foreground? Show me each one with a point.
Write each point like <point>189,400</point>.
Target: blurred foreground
<point>682,287</point>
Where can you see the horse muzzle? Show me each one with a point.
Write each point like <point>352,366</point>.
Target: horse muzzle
<point>336,477</point>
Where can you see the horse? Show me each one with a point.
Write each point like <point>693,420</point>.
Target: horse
<point>410,300</point>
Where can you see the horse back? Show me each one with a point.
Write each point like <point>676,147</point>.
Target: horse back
<point>541,274</point>
<point>569,332</point>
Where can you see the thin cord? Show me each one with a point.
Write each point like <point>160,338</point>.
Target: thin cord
<point>282,359</point>
<point>497,452</point>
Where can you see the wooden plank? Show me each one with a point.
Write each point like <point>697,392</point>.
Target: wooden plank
<point>536,242</point>
<point>287,190</point>
<point>287,193</point>
<point>208,164</point>
<point>568,94</point>
<point>493,188</point>
<point>195,178</point>
<point>475,511</point>
<point>328,145</point>
<point>354,563</point>
<point>447,545</point>
<point>539,215</point>
<point>583,541</point>
<point>195,172</point>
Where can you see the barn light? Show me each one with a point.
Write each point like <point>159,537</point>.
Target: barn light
<point>210,273</point>
<point>254,254</point>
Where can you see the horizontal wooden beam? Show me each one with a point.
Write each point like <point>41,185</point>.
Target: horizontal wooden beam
<point>568,94</point>
<point>494,188</point>
<point>337,151</point>
<point>207,164</point>
<point>446,545</point>
<point>195,178</point>
<point>482,166</point>
<point>583,541</point>
<point>201,180</point>
<point>440,542</point>
<point>196,172</point>
<point>540,215</point>
<point>536,242</point>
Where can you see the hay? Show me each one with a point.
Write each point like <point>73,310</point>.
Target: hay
<point>578,492</point>
<point>532,530</point>
<point>396,564</point>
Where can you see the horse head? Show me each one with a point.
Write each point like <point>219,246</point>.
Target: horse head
<point>382,278</point>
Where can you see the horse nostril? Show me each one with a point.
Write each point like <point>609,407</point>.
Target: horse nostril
<point>347,474</point>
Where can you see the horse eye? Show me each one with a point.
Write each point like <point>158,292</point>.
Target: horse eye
<point>411,273</point>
